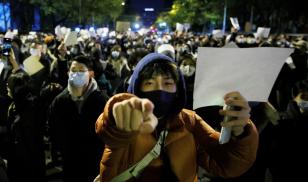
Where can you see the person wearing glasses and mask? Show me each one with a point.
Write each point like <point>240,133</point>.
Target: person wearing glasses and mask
<point>72,119</point>
<point>150,137</point>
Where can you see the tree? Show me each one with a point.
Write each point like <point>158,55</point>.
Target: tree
<point>195,12</point>
<point>82,12</point>
<point>276,14</point>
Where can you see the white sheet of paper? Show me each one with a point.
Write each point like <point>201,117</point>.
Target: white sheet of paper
<point>103,32</point>
<point>32,65</point>
<point>9,35</point>
<point>179,27</point>
<point>15,32</point>
<point>263,32</point>
<point>234,22</point>
<point>217,33</point>
<point>70,39</point>
<point>251,71</point>
<point>1,66</point>
<point>186,26</point>
<point>58,30</point>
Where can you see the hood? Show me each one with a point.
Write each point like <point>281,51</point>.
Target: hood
<point>152,57</point>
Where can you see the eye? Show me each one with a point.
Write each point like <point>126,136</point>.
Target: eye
<point>148,83</point>
<point>169,83</point>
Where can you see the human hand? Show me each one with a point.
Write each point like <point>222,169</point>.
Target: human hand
<point>62,49</point>
<point>135,114</point>
<point>241,116</point>
<point>12,60</point>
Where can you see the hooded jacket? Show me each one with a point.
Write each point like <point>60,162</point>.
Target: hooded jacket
<point>190,141</point>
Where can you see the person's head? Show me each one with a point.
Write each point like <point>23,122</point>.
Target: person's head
<point>80,72</point>
<point>17,82</point>
<point>36,49</point>
<point>75,50</point>
<point>158,78</point>
<point>187,65</point>
<point>135,57</point>
<point>167,49</point>
<point>115,51</point>
<point>19,88</point>
<point>16,42</point>
<point>300,92</point>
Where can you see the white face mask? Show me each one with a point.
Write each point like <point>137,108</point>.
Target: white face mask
<point>129,52</point>
<point>115,54</point>
<point>35,52</point>
<point>187,70</point>
<point>74,51</point>
<point>251,40</point>
<point>24,49</point>
<point>78,79</point>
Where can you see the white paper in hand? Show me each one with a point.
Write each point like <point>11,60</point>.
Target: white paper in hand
<point>263,32</point>
<point>58,31</point>
<point>70,39</point>
<point>234,22</point>
<point>9,35</point>
<point>179,27</point>
<point>251,71</point>
<point>32,65</point>
<point>217,33</point>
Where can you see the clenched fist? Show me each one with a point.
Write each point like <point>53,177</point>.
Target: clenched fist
<point>135,114</point>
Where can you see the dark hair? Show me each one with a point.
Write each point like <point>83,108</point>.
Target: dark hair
<point>20,87</point>
<point>84,60</point>
<point>156,68</point>
<point>17,81</point>
<point>187,57</point>
<point>17,41</point>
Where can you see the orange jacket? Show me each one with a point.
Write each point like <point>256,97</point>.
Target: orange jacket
<point>190,142</point>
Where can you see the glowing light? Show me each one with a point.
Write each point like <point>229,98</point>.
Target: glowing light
<point>77,29</point>
<point>148,9</point>
<point>136,26</point>
<point>92,29</point>
<point>162,24</point>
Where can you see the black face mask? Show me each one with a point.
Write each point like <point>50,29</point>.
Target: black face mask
<point>162,100</point>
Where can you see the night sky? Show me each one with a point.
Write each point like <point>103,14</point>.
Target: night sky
<point>137,7</point>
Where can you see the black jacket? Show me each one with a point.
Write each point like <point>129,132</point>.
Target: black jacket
<point>73,134</point>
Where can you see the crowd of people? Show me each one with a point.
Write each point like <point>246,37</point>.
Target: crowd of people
<point>99,107</point>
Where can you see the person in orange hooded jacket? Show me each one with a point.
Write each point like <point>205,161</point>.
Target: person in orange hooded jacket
<point>132,122</point>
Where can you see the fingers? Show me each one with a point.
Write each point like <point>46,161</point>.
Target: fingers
<point>235,95</point>
<point>127,110</point>
<point>136,120</point>
<point>135,114</point>
<point>117,112</point>
<point>242,114</point>
<point>235,123</point>
<point>240,117</point>
<point>237,102</point>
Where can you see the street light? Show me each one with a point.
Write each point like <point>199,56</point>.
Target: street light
<point>136,25</point>
<point>123,3</point>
